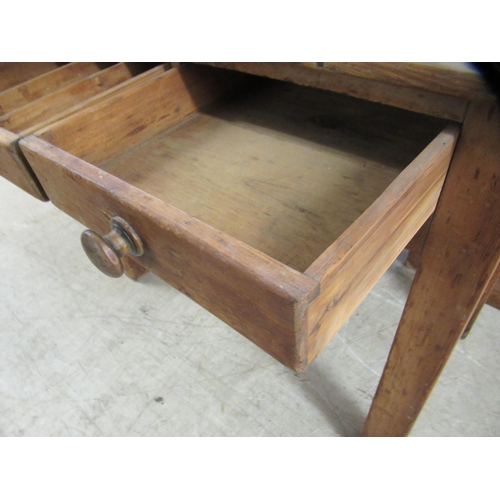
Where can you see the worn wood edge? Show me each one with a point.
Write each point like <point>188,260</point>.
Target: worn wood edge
<point>281,281</point>
<point>36,88</point>
<point>420,76</point>
<point>15,168</point>
<point>330,268</point>
<point>42,127</point>
<point>419,101</point>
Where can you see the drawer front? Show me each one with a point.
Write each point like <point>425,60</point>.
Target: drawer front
<point>256,295</point>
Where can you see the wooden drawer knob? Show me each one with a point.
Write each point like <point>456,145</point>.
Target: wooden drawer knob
<point>105,252</point>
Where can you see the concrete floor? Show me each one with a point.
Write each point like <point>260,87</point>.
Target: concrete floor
<point>86,355</point>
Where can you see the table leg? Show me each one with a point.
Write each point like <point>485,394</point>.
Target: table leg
<point>459,260</point>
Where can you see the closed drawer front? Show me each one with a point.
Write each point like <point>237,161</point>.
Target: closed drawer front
<point>276,207</point>
<point>36,94</point>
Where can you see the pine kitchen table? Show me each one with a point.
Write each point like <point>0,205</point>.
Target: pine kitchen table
<point>277,194</point>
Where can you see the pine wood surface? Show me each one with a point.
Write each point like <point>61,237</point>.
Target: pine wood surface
<point>136,113</point>
<point>42,109</point>
<point>14,73</point>
<point>24,93</point>
<point>103,96</point>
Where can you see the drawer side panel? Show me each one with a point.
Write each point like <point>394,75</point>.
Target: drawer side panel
<point>350,268</point>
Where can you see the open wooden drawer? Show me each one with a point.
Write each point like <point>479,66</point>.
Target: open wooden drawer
<point>41,94</point>
<point>276,207</point>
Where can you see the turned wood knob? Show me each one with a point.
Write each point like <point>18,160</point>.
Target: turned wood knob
<point>105,252</point>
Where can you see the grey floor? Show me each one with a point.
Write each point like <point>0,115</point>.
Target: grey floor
<point>86,355</point>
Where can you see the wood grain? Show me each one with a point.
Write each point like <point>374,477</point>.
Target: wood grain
<point>461,254</point>
<point>13,165</point>
<point>256,295</point>
<point>138,113</point>
<point>419,100</point>
<point>14,73</point>
<point>43,109</point>
<point>456,80</point>
<point>139,79</point>
<point>45,84</point>
<point>355,262</point>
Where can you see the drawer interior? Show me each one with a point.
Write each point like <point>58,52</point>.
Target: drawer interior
<point>284,168</point>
